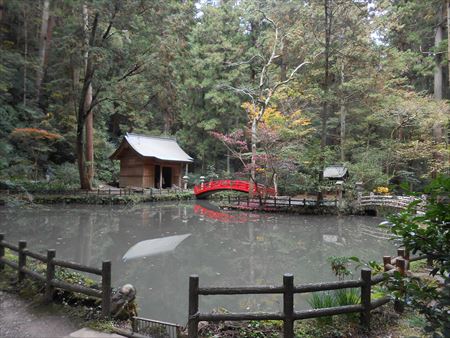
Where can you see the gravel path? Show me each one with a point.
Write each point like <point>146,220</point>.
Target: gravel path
<point>22,318</point>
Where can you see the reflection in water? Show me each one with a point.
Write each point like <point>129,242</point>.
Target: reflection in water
<point>223,248</point>
<point>154,247</point>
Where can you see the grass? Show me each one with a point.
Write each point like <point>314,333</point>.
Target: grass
<point>321,300</point>
<point>385,323</point>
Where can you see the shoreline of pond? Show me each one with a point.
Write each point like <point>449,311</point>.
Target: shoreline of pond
<point>136,197</point>
<point>93,199</point>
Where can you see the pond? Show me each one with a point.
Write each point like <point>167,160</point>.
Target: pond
<point>156,247</point>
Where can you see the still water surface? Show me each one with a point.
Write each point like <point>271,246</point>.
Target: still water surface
<point>223,247</point>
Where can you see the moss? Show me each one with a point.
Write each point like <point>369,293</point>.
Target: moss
<point>101,325</point>
<point>418,266</point>
<point>92,199</point>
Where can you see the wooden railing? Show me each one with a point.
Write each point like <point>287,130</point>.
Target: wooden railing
<point>399,263</point>
<point>279,201</point>
<point>50,280</point>
<point>236,185</point>
<point>288,289</point>
<point>399,202</point>
<point>101,192</point>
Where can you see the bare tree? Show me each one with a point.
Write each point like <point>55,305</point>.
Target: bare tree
<point>263,94</point>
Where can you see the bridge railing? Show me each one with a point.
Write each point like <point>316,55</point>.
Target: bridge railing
<point>238,185</point>
<point>400,202</point>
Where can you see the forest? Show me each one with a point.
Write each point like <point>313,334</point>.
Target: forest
<point>248,88</point>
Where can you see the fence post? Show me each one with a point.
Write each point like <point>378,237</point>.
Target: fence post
<point>22,260</point>
<point>49,275</point>
<point>248,201</point>
<point>386,261</point>
<point>239,200</point>
<point>2,251</point>
<point>193,307</point>
<point>274,201</point>
<point>229,199</point>
<point>288,305</point>
<point>401,265</point>
<point>366,276</point>
<point>106,289</point>
<point>289,201</point>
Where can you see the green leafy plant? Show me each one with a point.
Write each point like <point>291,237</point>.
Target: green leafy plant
<point>427,233</point>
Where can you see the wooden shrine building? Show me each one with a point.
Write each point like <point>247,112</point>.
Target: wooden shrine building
<point>151,162</point>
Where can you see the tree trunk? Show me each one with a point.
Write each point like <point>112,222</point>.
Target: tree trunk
<point>89,137</point>
<point>2,9</point>
<point>448,45</point>
<point>25,54</point>
<point>343,113</point>
<point>42,47</point>
<point>254,139</point>
<point>84,111</point>
<point>90,116</point>
<point>438,69</point>
<point>325,105</point>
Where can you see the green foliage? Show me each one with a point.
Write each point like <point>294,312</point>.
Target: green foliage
<point>184,68</point>
<point>427,233</point>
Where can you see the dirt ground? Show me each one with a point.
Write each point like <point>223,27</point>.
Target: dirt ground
<point>22,318</point>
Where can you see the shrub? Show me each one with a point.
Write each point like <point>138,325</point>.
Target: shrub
<point>427,233</point>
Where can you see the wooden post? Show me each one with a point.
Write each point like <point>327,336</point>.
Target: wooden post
<point>2,251</point>
<point>289,201</point>
<point>401,265</point>
<point>106,289</point>
<point>386,261</point>
<point>401,253</point>
<point>239,200</point>
<point>274,201</point>
<point>22,260</point>
<point>229,199</point>
<point>98,192</point>
<point>366,276</point>
<point>304,201</point>
<point>120,191</point>
<point>248,201</point>
<point>288,305</point>
<point>49,275</point>
<point>193,307</point>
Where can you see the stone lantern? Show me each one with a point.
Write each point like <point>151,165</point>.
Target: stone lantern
<point>185,181</point>
<point>339,189</point>
<point>202,181</point>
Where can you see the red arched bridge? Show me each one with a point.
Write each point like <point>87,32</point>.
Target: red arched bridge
<point>205,189</point>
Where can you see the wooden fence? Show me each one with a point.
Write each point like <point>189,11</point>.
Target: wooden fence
<point>280,201</point>
<point>103,192</point>
<point>288,289</point>
<point>50,280</point>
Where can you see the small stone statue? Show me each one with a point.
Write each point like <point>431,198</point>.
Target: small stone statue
<point>123,305</point>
